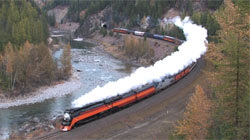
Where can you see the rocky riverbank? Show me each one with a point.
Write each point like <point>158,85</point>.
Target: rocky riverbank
<point>43,93</point>
<point>36,127</point>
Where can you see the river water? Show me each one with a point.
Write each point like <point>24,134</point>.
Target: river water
<point>94,68</point>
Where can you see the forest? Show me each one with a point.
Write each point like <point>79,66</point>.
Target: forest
<point>21,21</point>
<point>25,59</point>
<point>130,8</point>
<point>134,11</point>
<point>222,110</point>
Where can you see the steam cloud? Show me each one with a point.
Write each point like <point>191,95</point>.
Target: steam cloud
<point>189,52</point>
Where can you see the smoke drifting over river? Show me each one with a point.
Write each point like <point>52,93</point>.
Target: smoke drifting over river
<point>189,52</point>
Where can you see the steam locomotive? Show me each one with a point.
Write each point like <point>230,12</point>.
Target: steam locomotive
<point>149,35</point>
<point>93,110</point>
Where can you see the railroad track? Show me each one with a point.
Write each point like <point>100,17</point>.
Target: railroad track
<point>171,97</point>
<point>50,136</point>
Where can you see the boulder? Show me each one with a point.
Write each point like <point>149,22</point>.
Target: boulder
<point>36,120</point>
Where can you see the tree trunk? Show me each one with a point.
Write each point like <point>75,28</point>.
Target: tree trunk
<point>14,80</point>
<point>237,89</point>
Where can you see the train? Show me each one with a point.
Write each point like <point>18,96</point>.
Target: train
<point>138,33</point>
<point>149,35</point>
<point>91,111</point>
<point>123,31</point>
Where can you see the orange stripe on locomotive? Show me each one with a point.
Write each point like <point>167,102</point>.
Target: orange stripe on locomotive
<point>119,103</point>
<point>120,31</point>
<point>89,113</point>
<point>182,74</point>
<point>145,93</point>
<point>135,97</point>
<point>125,101</point>
<point>168,39</point>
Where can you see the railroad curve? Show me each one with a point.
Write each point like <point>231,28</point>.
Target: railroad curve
<point>146,119</point>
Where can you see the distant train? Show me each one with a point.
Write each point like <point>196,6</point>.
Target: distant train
<point>149,35</point>
<point>94,110</point>
<point>122,30</point>
<point>139,33</point>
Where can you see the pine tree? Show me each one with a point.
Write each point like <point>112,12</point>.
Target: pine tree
<point>9,55</point>
<point>25,58</point>
<point>230,77</point>
<point>197,117</point>
<point>1,65</point>
<point>46,66</point>
<point>66,61</point>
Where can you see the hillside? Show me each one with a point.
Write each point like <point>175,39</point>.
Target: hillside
<point>144,15</point>
<point>26,62</point>
<point>140,14</point>
<point>21,21</point>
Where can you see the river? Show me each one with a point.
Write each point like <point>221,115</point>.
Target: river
<point>93,67</point>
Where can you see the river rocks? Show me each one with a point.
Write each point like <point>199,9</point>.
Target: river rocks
<point>36,120</point>
<point>79,70</point>
<point>57,121</point>
<point>55,117</point>
<point>31,130</point>
<point>97,60</point>
<point>51,126</point>
<point>35,125</point>
<point>25,126</point>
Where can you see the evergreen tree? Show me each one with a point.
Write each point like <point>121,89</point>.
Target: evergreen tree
<point>66,61</point>
<point>52,20</point>
<point>231,75</point>
<point>213,4</point>
<point>9,58</point>
<point>46,65</point>
<point>208,21</point>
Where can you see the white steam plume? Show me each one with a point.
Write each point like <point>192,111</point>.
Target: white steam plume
<point>189,52</point>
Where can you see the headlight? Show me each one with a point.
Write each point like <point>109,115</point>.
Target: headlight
<point>66,117</point>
